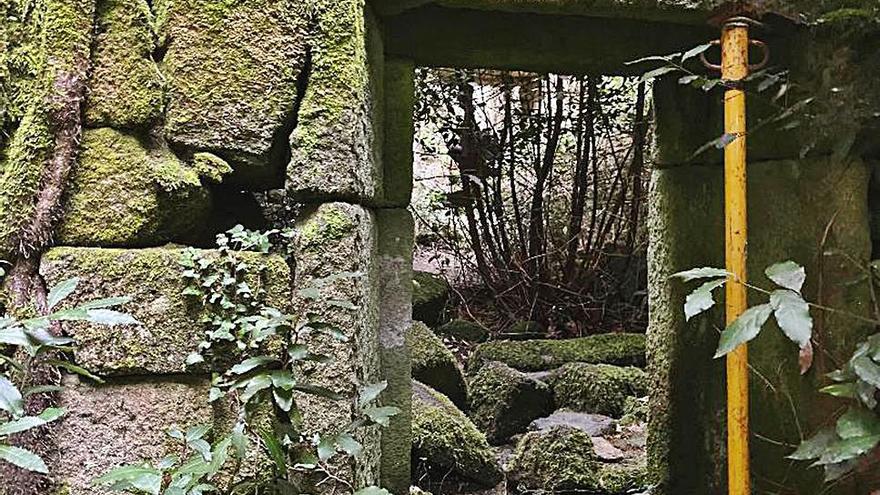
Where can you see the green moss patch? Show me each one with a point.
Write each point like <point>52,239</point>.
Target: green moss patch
<point>464,330</point>
<point>446,442</point>
<point>435,365</point>
<point>124,194</point>
<point>622,349</point>
<point>126,89</point>
<point>560,460</point>
<point>597,388</point>
<point>504,401</point>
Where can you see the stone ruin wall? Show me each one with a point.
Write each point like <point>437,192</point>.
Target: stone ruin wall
<point>188,101</point>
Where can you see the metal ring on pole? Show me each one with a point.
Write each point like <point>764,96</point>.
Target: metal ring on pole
<point>765,50</point>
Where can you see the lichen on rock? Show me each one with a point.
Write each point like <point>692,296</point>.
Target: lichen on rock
<point>124,194</point>
<point>435,365</point>
<point>623,349</point>
<point>504,401</point>
<point>446,442</point>
<point>597,388</point>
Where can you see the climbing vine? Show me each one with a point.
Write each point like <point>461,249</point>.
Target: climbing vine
<point>270,371</point>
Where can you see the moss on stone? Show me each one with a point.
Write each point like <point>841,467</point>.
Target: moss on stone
<point>233,78</point>
<point>623,479</point>
<point>123,194</point>
<point>621,349</point>
<point>635,410</point>
<point>211,167</point>
<point>597,388</point>
<point>126,89</point>
<point>170,325</point>
<point>55,42</point>
<point>328,224</point>
<point>503,401</point>
<point>336,148</point>
<point>464,330</point>
<point>558,460</point>
<point>435,365</point>
<point>430,293</point>
<point>446,442</point>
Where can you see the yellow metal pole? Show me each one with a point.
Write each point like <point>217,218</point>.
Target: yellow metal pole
<point>735,68</point>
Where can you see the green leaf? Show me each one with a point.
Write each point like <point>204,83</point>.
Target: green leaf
<point>29,422</point>
<point>197,432</point>
<point>701,299</point>
<point>10,398</point>
<point>110,317</point>
<point>219,456</point>
<point>283,379</point>
<point>142,478</point>
<point>653,74</point>
<point>77,370</point>
<point>14,336</point>
<point>835,471</point>
<point>23,458</point>
<point>215,394</point>
<point>743,329</point>
<point>693,52</point>
<point>653,58</point>
<point>284,398</point>
<point>370,393</point>
<point>326,447</point>
<point>857,422</point>
<point>309,293</point>
<point>842,390</point>
<point>194,358</point>
<point>787,274</point>
<point>349,445</point>
<point>850,448</point>
<point>814,447</point>
<point>273,445</point>
<point>254,386</point>
<point>381,415</point>
<point>867,370</point>
<point>107,302</point>
<point>239,441</point>
<point>250,364</point>
<point>202,447</point>
<point>866,393</point>
<point>793,316</point>
<point>42,389</point>
<point>61,291</point>
<point>699,273</point>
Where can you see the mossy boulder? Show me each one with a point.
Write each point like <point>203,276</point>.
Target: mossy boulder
<point>233,72</point>
<point>430,294</point>
<point>170,325</point>
<point>464,330</point>
<point>635,410</point>
<point>597,388</point>
<point>505,401</point>
<point>123,193</point>
<point>622,349</point>
<point>446,442</point>
<point>126,89</point>
<point>560,460</point>
<point>435,365</point>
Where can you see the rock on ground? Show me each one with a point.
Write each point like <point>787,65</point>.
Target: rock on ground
<point>464,330</point>
<point>430,293</point>
<point>622,349</point>
<point>447,448</point>
<point>592,424</point>
<point>557,460</point>
<point>435,365</point>
<point>597,388</point>
<point>504,401</point>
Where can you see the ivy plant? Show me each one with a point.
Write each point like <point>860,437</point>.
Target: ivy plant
<point>272,360</point>
<point>838,448</point>
<point>29,342</point>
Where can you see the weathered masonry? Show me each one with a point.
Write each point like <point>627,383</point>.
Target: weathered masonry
<point>184,104</point>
